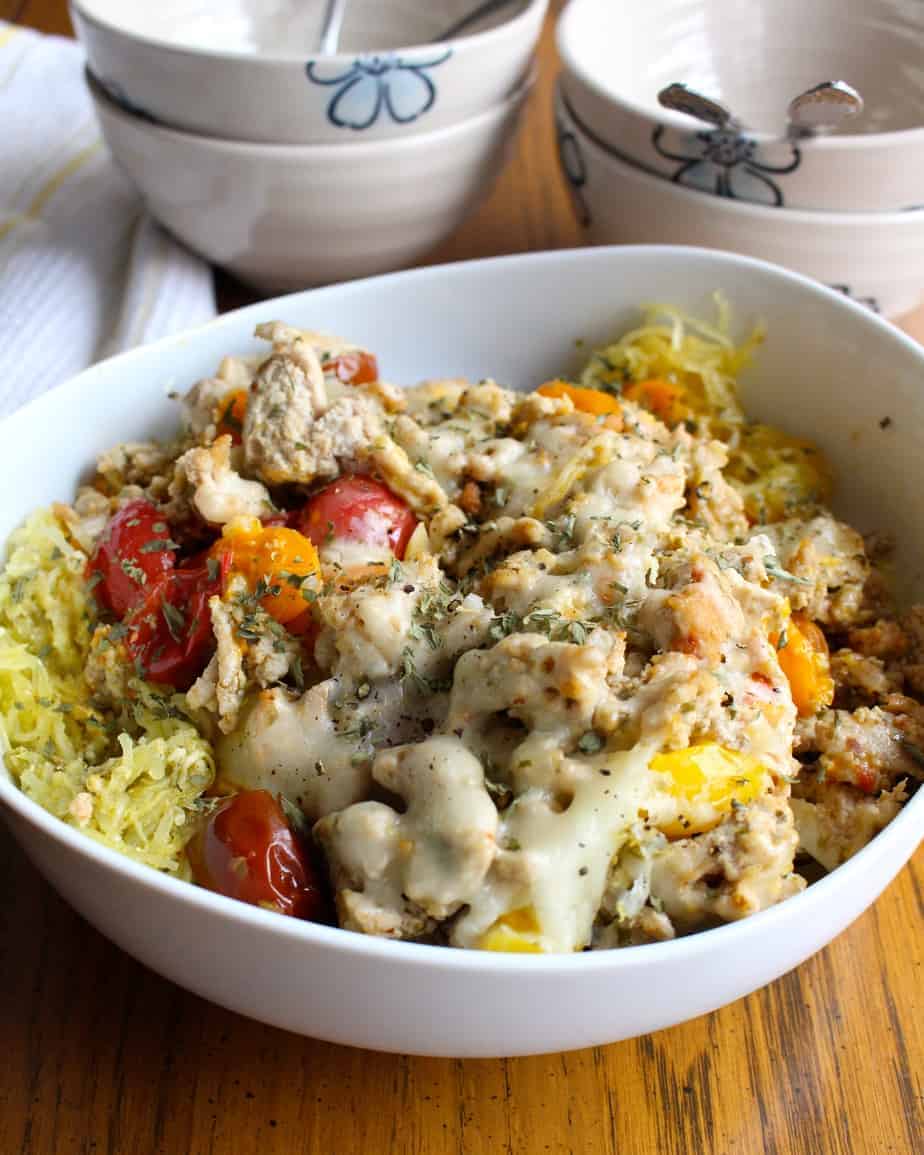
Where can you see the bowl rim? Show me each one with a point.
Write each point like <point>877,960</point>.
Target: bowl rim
<point>816,217</point>
<point>349,149</point>
<point>261,60</point>
<point>571,62</point>
<point>423,955</point>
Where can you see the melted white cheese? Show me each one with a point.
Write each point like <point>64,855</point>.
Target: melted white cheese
<point>562,856</point>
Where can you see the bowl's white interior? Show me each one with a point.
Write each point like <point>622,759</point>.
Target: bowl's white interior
<point>756,55</point>
<point>287,27</point>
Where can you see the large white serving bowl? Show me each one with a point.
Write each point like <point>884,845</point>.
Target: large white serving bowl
<point>293,216</point>
<point>876,258</point>
<point>756,55</point>
<point>828,368</point>
<point>248,69</point>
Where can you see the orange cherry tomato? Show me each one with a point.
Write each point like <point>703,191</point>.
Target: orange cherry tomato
<point>593,401</point>
<point>273,557</point>
<point>662,398</point>
<point>805,661</point>
<point>356,368</point>
<point>248,851</point>
<point>230,413</point>
<point>304,627</point>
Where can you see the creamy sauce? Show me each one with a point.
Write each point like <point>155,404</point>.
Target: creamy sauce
<point>563,855</point>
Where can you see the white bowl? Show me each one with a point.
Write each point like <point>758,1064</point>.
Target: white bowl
<point>291,216</point>
<point>755,55</point>
<point>247,69</point>
<point>813,374</point>
<point>876,258</point>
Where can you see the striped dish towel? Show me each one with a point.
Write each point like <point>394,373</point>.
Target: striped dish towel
<point>84,271</point>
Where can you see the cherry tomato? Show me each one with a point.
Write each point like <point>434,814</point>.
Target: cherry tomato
<point>593,401</point>
<point>134,551</point>
<point>170,634</point>
<point>275,556</point>
<point>248,851</point>
<point>357,508</point>
<point>359,368</point>
<point>304,627</point>
<point>230,413</point>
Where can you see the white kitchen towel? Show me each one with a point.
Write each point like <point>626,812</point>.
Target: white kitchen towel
<point>84,271</point>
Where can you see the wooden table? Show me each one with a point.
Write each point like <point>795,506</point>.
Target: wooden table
<point>99,1055</point>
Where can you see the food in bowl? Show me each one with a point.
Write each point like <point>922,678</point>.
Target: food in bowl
<point>583,667</point>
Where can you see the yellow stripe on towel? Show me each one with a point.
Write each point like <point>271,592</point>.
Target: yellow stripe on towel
<point>51,186</point>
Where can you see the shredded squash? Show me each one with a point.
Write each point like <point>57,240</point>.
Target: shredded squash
<point>134,782</point>
<point>696,365</point>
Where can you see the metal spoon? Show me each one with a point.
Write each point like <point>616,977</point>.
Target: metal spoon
<point>682,98</point>
<point>822,108</point>
<point>330,28</point>
<point>333,22</point>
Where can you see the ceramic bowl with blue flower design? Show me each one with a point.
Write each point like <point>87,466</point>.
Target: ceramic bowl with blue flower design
<point>249,70</point>
<point>755,55</point>
<point>292,216</point>
<point>877,259</point>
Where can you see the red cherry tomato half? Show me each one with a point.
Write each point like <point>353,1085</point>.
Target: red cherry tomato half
<point>248,851</point>
<point>170,635</point>
<point>134,551</point>
<point>359,368</point>
<point>357,508</point>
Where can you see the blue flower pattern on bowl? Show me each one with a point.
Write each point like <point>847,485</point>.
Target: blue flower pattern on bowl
<point>728,163</point>
<point>869,302</point>
<point>374,86</point>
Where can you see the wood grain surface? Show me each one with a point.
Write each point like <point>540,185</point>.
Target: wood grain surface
<point>98,1055</point>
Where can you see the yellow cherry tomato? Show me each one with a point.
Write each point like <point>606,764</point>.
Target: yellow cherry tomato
<point>278,557</point>
<point>515,932</point>
<point>702,784</point>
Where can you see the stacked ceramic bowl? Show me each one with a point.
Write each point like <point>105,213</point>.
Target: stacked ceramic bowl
<point>846,208</point>
<point>294,168</point>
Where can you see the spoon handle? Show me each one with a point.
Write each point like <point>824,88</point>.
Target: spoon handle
<point>485,9</point>
<point>330,29</point>
<point>682,98</point>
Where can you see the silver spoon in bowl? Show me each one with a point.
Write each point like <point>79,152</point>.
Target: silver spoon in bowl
<point>330,27</point>
<point>682,98</point>
<point>822,108</point>
<point>819,109</point>
<point>329,39</point>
